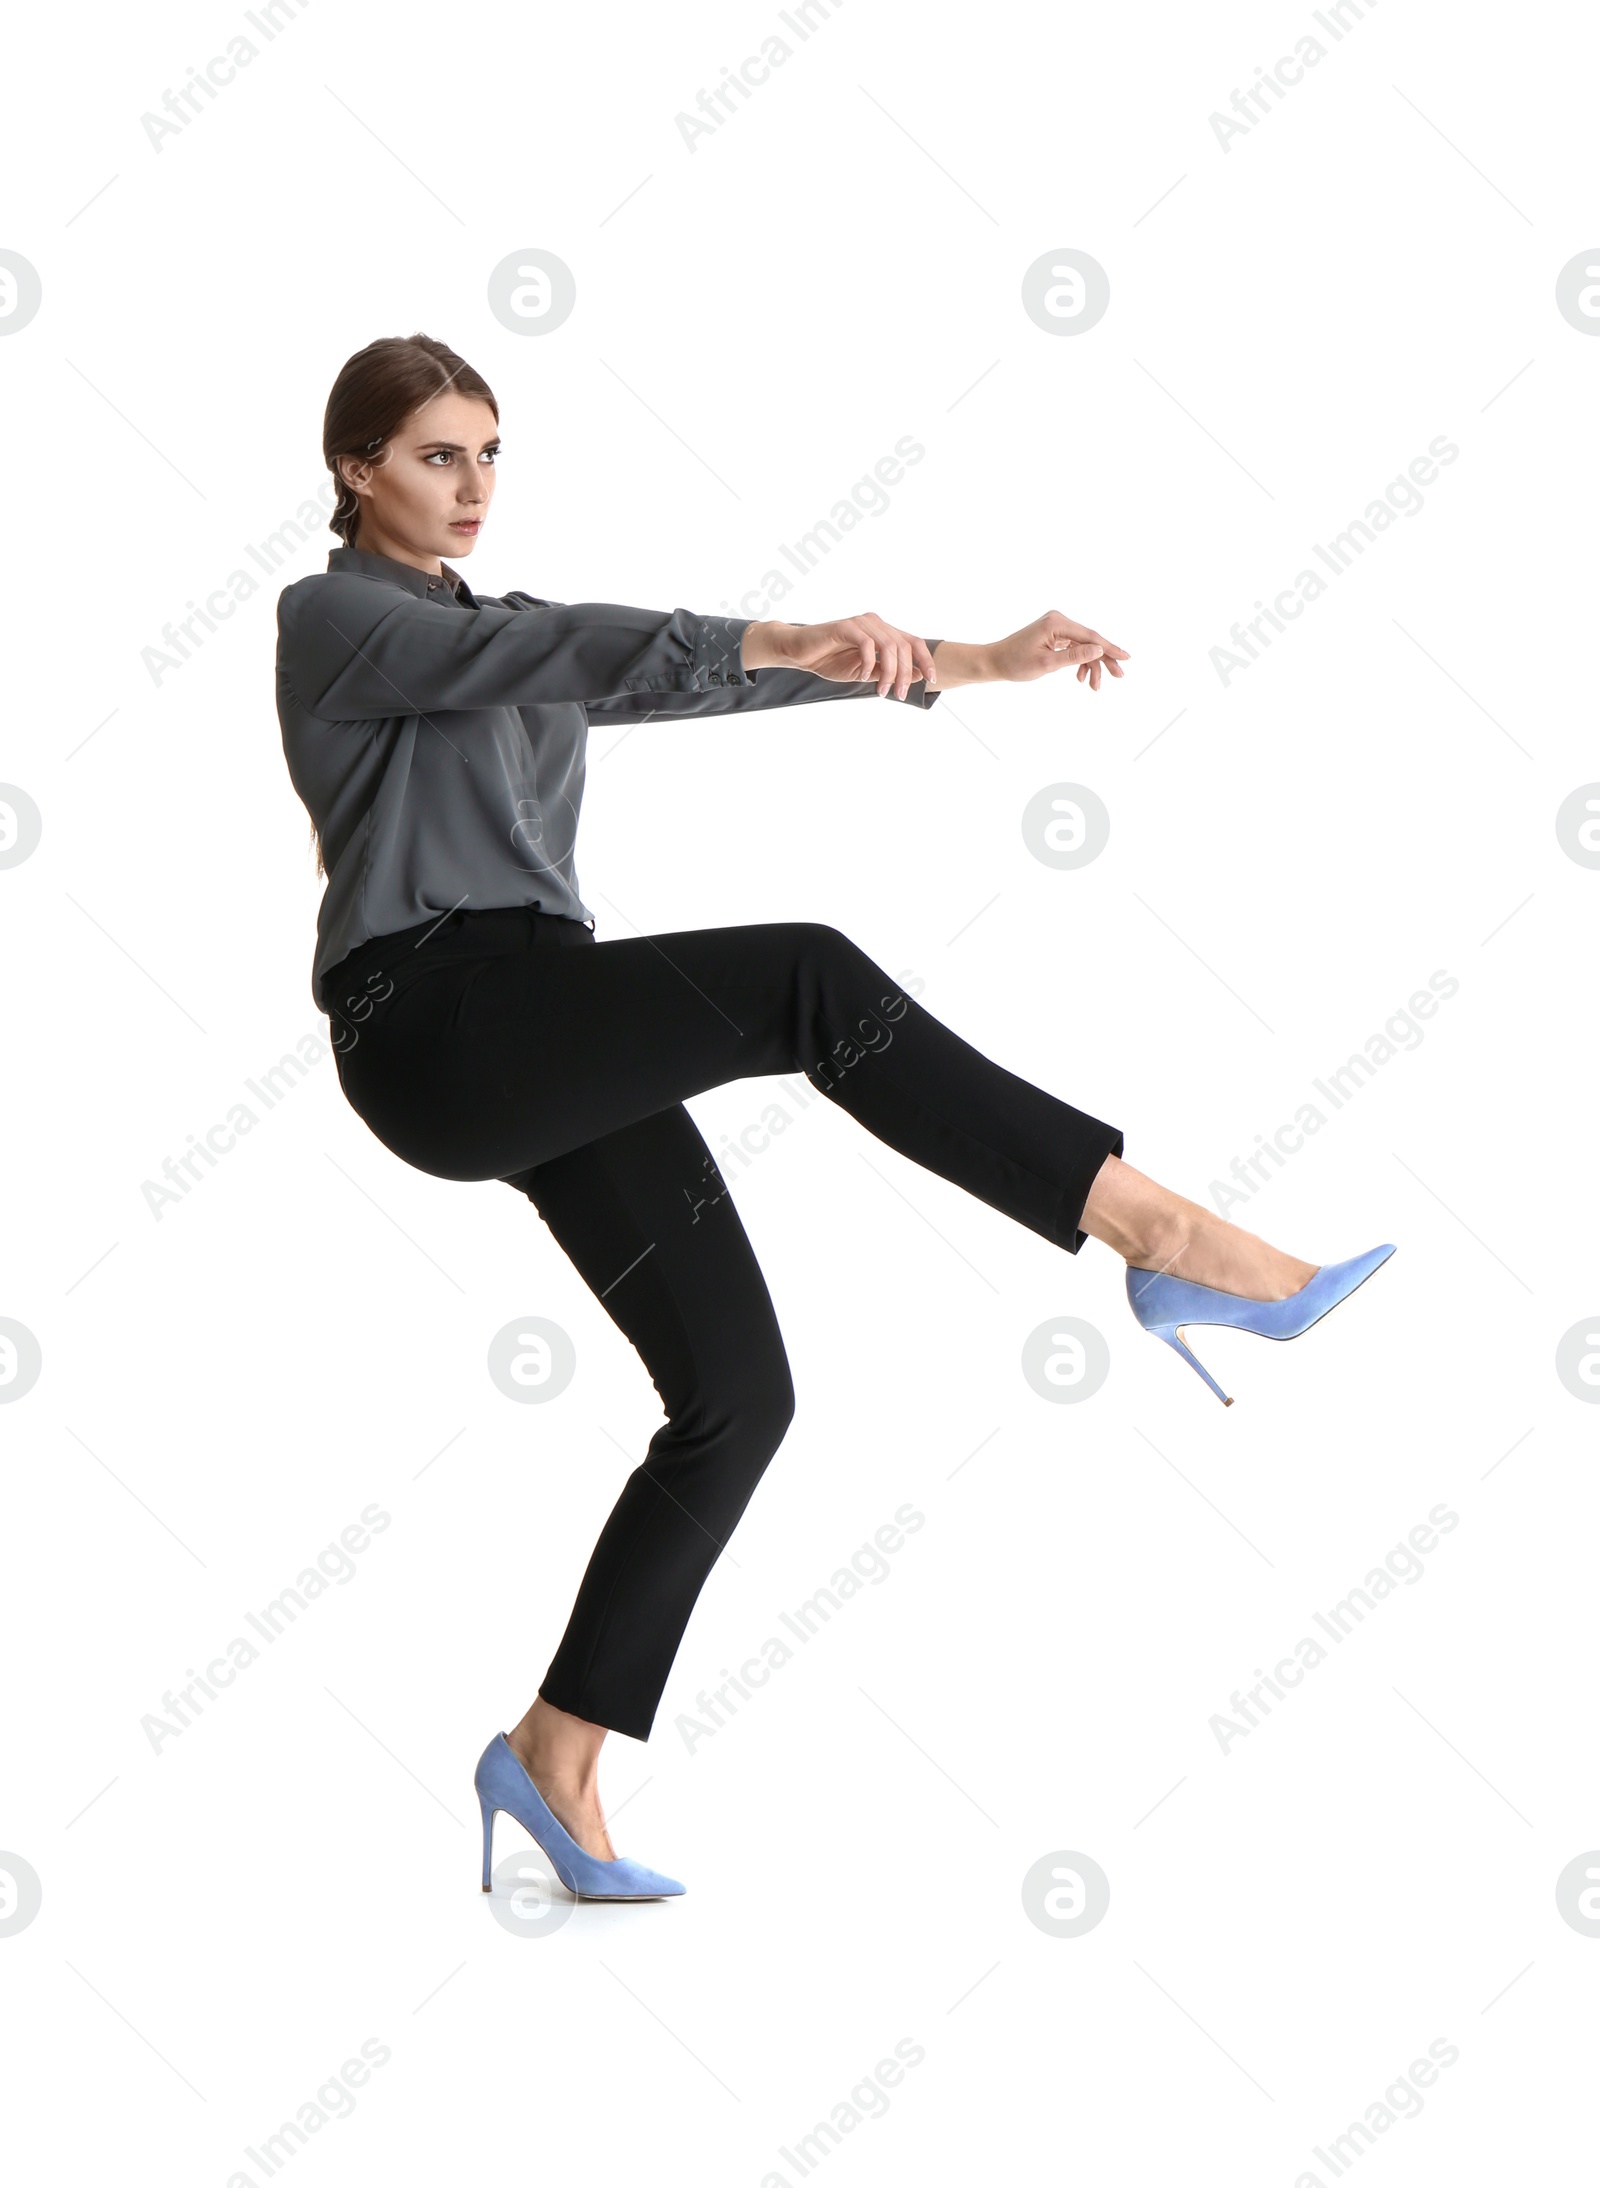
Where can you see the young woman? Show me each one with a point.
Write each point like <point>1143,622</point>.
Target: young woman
<point>437,739</point>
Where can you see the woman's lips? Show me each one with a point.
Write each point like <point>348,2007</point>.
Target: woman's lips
<point>466,524</point>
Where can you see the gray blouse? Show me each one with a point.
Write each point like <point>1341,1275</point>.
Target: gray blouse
<point>436,736</point>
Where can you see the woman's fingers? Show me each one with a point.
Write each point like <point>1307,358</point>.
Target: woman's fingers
<point>877,653</point>
<point>902,657</point>
<point>1089,650</point>
<point>832,643</point>
<point>1063,626</point>
<point>865,631</point>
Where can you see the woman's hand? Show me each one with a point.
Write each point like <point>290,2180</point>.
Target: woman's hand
<point>1054,642</point>
<point>855,650</point>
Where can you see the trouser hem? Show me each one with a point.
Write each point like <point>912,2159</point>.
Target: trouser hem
<point>1099,1142</point>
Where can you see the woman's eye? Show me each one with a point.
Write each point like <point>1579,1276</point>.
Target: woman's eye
<point>441,454</point>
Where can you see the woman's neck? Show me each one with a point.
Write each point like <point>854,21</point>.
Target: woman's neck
<point>371,540</point>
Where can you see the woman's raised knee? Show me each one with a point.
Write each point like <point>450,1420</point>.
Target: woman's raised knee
<point>768,1406</point>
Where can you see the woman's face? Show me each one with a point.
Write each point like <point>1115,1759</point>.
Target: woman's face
<point>429,493</point>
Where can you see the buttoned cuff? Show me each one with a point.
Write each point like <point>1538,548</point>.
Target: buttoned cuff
<point>714,657</point>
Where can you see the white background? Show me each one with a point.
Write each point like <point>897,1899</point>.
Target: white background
<point>1291,1922</point>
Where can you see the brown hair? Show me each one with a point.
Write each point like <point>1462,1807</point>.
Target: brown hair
<point>375,392</point>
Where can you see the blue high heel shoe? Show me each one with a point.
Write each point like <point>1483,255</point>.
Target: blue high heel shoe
<point>1165,1304</point>
<point>503,1786</point>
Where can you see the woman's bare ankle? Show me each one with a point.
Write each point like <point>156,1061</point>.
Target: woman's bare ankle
<point>1152,1228</point>
<point>561,1754</point>
<point>556,1739</point>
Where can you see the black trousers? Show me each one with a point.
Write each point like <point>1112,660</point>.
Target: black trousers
<point>513,1045</point>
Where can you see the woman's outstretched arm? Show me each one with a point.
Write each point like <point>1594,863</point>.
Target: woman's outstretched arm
<point>1051,642</point>
<point>352,649</point>
<point>864,646</point>
<point>797,664</point>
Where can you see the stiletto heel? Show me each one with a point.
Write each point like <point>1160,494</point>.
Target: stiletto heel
<point>1171,1337</point>
<point>1164,1305</point>
<point>503,1785</point>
